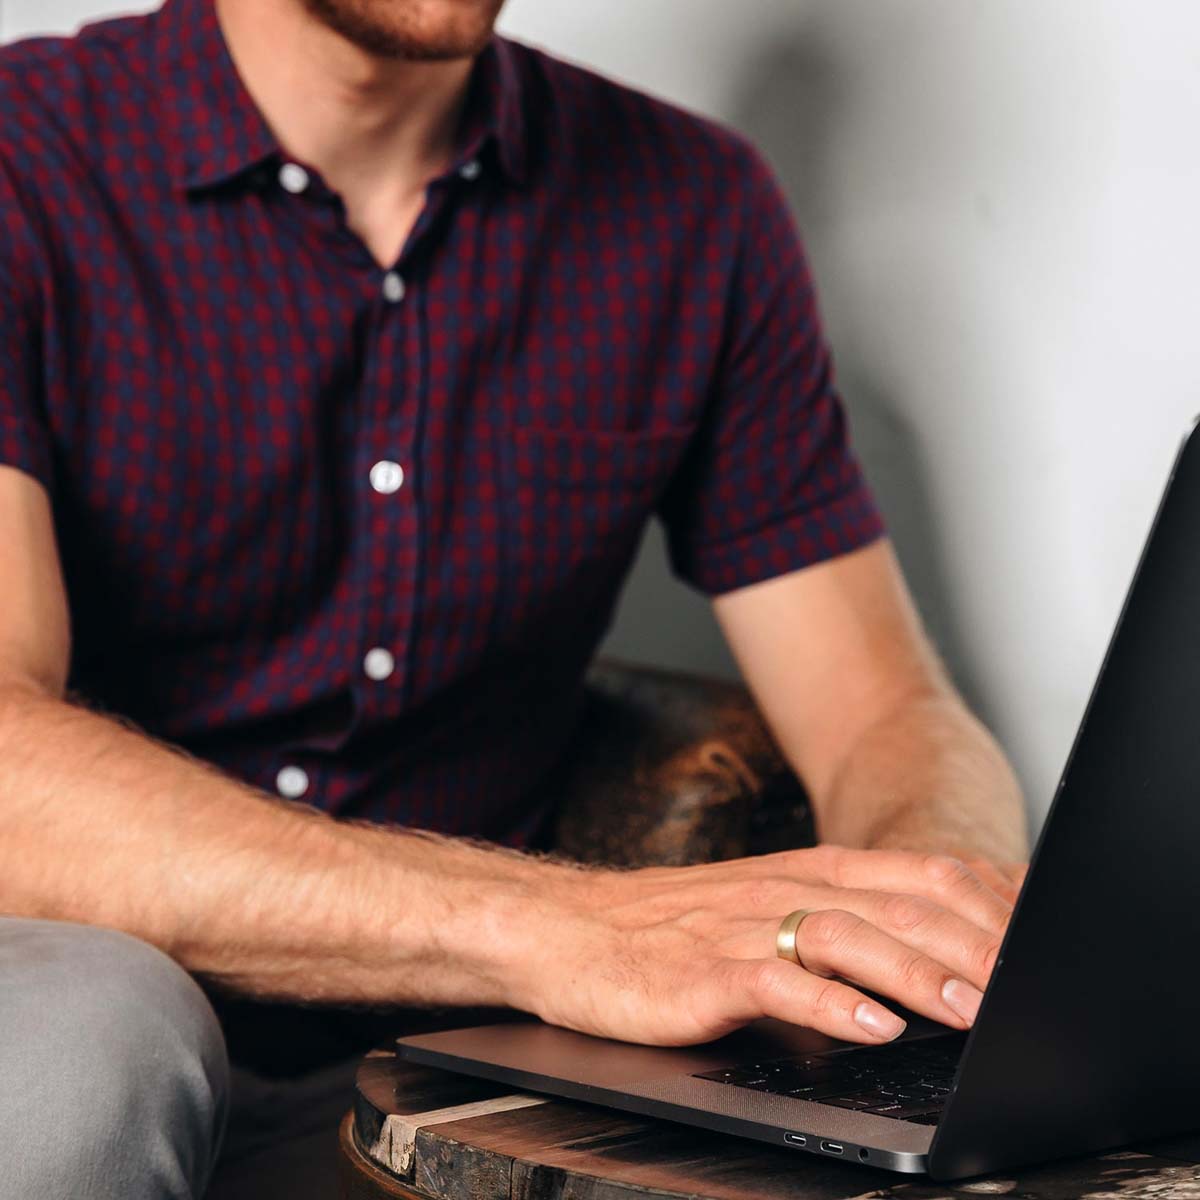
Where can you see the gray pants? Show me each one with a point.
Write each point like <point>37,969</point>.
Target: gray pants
<point>114,1081</point>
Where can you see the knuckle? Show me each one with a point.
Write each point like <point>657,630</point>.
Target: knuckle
<point>907,912</point>
<point>828,1001</point>
<point>694,920</point>
<point>830,928</point>
<point>943,871</point>
<point>917,973</point>
<point>986,956</point>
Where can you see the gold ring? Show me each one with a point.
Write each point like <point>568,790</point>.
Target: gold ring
<point>785,939</point>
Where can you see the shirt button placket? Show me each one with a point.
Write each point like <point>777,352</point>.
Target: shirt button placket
<point>387,477</point>
<point>392,524</point>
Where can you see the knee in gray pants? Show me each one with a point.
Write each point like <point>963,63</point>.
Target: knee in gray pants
<point>113,1073</point>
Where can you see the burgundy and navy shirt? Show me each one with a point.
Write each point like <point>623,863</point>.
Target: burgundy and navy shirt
<point>353,532</point>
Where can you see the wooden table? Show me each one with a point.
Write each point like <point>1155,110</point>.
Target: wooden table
<point>425,1134</point>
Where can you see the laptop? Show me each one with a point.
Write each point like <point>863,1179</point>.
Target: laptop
<point>1088,1037</point>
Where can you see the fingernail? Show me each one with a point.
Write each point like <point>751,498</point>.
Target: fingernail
<point>963,998</point>
<point>878,1021</point>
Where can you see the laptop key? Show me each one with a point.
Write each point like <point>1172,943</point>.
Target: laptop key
<point>906,1073</point>
<point>917,1109</point>
<point>812,1092</point>
<point>860,1100</point>
<point>813,1075</point>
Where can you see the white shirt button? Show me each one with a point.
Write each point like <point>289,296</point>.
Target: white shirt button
<point>291,782</point>
<point>470,169</point>
<point>393,287</point>
<point>293,178</point>
<point>378,664</point>
<point>387,477</point>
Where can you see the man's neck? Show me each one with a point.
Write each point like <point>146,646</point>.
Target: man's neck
<point>375,128</point>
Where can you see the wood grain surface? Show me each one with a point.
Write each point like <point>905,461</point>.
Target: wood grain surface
<point>439,1136</point>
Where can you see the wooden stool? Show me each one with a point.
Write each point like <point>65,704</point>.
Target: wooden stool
<point>425,1134</point>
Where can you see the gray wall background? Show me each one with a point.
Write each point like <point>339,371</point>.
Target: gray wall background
<point>999,198</point>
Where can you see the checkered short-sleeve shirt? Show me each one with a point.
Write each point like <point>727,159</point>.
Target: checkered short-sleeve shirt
<point>352,531</point>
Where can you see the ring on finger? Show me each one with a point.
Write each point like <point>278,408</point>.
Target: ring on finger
<point>785,938</point>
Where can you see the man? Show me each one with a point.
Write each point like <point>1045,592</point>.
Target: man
<point>346,350</point>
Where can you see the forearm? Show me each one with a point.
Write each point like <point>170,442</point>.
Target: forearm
<point>927,776</point>
<point>103,825</point>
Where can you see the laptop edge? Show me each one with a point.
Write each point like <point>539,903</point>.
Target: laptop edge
<point>1083,1041</point>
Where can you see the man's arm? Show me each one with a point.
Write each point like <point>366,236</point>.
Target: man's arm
<point>864,711</point>
<point>103,825</point>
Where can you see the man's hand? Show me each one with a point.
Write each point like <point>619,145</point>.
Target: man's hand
<point>674,956</point>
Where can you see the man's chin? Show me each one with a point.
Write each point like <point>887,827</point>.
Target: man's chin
<point>413,30</point>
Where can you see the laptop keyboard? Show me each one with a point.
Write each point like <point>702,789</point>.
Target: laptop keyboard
<point>906,1080</point>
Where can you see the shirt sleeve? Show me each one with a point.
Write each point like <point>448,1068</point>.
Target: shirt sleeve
<point>24,434</point>
<point>770,483</point>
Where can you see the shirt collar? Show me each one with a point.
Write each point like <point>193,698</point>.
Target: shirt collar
<point>495,111</point>
<point>216,132</point>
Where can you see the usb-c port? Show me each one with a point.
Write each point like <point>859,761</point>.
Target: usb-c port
<point>833,1147</point>
<point>795,1139</point>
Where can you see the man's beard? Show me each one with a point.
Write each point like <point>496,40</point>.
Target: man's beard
<point>410,29</point>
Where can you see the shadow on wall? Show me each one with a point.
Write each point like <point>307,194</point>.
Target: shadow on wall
<point>789,104</point>
<point>793,99</point>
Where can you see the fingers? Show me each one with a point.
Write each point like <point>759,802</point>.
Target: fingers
<point>1005,879</point>
<point>961,946</point>
<point>836,942</point>
<point>944,880</point>
<point>774,988</point>
<point>923,930</point>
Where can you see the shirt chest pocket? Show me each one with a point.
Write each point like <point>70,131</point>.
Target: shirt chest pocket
<point>577,503</point>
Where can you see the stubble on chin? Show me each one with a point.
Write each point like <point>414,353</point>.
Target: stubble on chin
<point>403,29</point>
